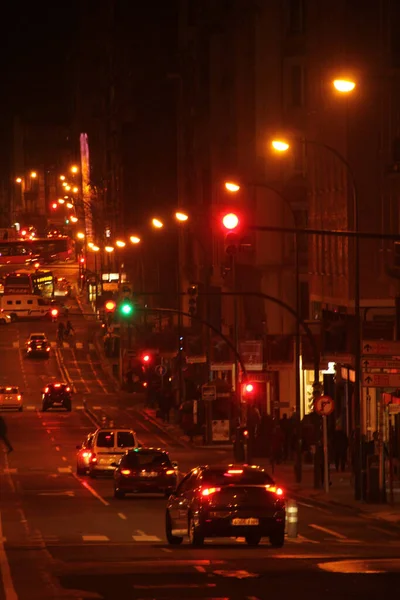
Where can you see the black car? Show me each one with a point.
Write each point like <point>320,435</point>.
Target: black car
<point>226,501</point>
<point>57,395</point>
<point>37,345</point>
<point>145,470</point>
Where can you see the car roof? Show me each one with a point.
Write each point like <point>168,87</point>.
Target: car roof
<point>38,333</point>
<point>9,388</point>
<point>144,450</point>
<point>226,467</point>
<point>127,429</point>
<point>57,383</point>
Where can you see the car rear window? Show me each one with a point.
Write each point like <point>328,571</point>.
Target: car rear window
<point>224,477</point>
<point>143,459</point>
<point>9,390</point>
<point>125,439</point>
<point>105,439</point>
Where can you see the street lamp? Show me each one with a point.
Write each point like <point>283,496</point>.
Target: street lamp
<point>33,174</point>
<point>231,186</point>
<point>18,180</point>
<point>69,205</point>
<point>344,85</point>
<point>75,190</point>
<point>80,235</point>
<point>157,223</point>
<point>134,239</point>
<point>280,145</point>
<point>120,244</point>
<point>68,187</point>
<point>73,219</point>
<point>181,216</point>
<point>61,201</point>
<point>74,169</point>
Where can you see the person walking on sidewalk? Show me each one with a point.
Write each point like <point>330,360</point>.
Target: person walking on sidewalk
<point>3,435</point>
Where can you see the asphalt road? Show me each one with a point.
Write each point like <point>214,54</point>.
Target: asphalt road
<point>63,536</point>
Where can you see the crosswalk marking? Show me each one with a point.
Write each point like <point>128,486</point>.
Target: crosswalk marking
<point>30,407</point>
<point>64,469</point>
<point>95,538</point>
<point>79,407</point>
<point>146,538</point>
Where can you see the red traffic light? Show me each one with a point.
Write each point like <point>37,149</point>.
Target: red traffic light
<point>110,305</point>
<point>146,358</point>
<point>54,205</point>
<point>249,387</point>
<point>54,312</point>
<point>23,232</point>
<point>230,221</point>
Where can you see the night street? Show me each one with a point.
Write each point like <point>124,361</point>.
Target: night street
<point>62,532</point>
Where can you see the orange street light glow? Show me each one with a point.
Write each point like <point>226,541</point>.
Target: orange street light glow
<point>62,177</point>
<point>135,239</point>
<point>181,216</point>
<point>80,235</point>
<point>120,244</point>
<point>95,248</point>
<point>73,219</point>
<point>74,169</point>
<point>18,180</point>
<point>232,187</point>
<point>67,187</point>
<point>75,190</point>
<point>280,145</point>
<point>109,249</point>
<point>64,184</point>
<point>157,223</point>
<point>344,85</point>
<point>69,205</point>
<point>33,174</point>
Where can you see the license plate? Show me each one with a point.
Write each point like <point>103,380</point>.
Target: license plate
<point>149,474</point>
<point>245,522</point>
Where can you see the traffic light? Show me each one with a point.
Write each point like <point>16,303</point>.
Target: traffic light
<point>146,358</point>
<point>230,223</point>
<point>110,306</point>
<point>54,313</point>
<point>193,293</point>
<point>248,391</point>
<point>126,308</point>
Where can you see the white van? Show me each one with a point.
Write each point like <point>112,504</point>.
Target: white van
<point>26,306</point>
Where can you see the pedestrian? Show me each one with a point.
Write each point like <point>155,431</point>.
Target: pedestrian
<point>3,435</point>
<point>340,445</point>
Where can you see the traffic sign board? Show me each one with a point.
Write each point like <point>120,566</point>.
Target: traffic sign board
<point>371,363</point>
<point>324,405</point>
<point>160,370</point>
<point>380,348</point>
<point>382,380</point>
<point>208,392</point>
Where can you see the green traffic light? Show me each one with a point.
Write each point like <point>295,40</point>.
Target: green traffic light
<point>126,309</point>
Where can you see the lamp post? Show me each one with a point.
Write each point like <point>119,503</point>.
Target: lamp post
<point>234,187</point>
<point>282,146</point>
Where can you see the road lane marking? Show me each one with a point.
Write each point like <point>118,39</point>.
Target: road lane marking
<point>79,345</point>
<point>64,469</point>
<point>339,536</point>
<point>122,516</point>
<point>143,537</point>
<point>382,530</point>
<point>5,571</point>
<point>200,569</point>
<point>87,486</point>
<point>96,374</point>
<point>70,494</point>
<point>300,539</point>
<point>30,407</point>
<point>96,407</point>
<point>9,471</point>
<point>79,407</point>
<point>52,439</point>
<point>95,538</point>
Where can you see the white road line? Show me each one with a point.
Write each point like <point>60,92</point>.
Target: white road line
<point>79,345</point>
<point>5,571</point>
<point>122,516</point>
<point>30,407</point>
<point>200,569</point>
<point>300,539</point>
<point>339,536</point>
<point>146,538</point>
<point>64,469</point>
<point>89,488</point>
<point>96,407</point>
<point>166,549</point>
<point>79,407</point>
<point>95,538</point>
<point>9,471</point>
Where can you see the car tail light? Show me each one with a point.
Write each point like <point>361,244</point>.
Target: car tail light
<point>170,472</point>
<point>46,390</point>
<point>93,458</point>
<point>274,489</point>
<point>48,348</point>
<point>19,397</point>
<point>234,472</point>
<point>125,472</point>
<point>68,389</point>
<point>86,454</point>
<point>210,491</point>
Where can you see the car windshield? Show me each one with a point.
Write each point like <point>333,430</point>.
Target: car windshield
<point>147,459</point>
<point>38,337</point>
<point>228,476</point>
<point>9,390</point>
<point>125,439</point>
<point>105,439</point>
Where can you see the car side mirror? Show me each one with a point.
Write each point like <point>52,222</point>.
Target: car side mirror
<point>174,464</point>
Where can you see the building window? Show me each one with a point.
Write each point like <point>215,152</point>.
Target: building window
<point>296,16</point>
<point>297,85</point>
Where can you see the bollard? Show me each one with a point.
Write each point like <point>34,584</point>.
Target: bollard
<point>291,518</point>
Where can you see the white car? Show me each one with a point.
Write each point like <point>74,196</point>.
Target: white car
<point>11,397</point>
<point>5,318</point>
<point>108,446</point>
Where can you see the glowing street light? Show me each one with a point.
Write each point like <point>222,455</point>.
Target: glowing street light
<point>69,205</point>
<point>135,239</point>
<point>181,216</point>
<point>74,169</point>
<point>120,244</point>
<point>232,187</point>
<point>61,201</point>
<point>62,177</point>
<point>344,85</point>
<point>95,248</point>
<point>157,223</point>
<point>80,235</point>
<point>75,190</point>
<point>18,180</point>
<point>90,245</point>
<point>280,145</point>
<point>109,249</point>
<point>33,174</point>
<point>68,187</point>
<point>64,184</point>
<point>73,219</point>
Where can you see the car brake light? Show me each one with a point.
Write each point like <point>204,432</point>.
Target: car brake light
<point>46,390</point>
<point>170,472</point>
<point>68,389</point>
<point>209,491</point>
<point>86,454</point>
<point>125,472</point>
<point>57,385</point>
<point>275,490</point>
<point>19,398</point>
<point>48,348</point>
<point>234,472</point>
<point>93,458</point>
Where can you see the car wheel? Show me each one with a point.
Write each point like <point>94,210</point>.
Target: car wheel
<point>196,537</point>
<point>253,539</point>
<point>171,539</point>
<point>119,494</point>
<point>277,539</point>
<point>80,470</point>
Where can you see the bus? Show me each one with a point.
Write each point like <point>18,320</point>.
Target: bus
<point>26,252</point>
<point>40,283</point>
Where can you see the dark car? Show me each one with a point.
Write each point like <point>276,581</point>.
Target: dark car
<point>226,501</point>
<point>37,345</point>
<point>57,395</point>
<point>145,470</point>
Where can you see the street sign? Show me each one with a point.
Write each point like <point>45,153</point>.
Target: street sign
<point>383,380</point>
<point>324,405</point>
<point>371,363</point>
<point>379,348</point>
<point>196,360</point>
<point>208,392</point>
<point>160,370</point>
